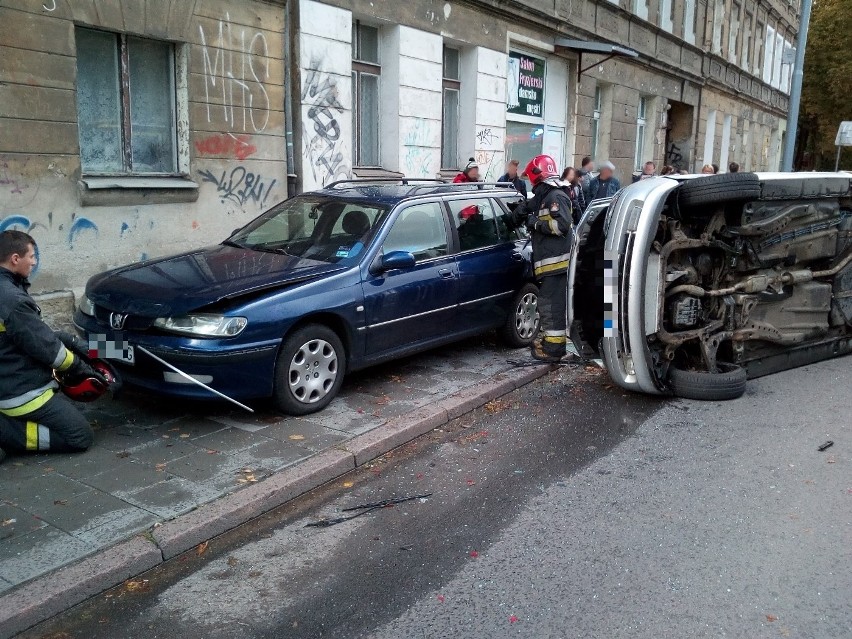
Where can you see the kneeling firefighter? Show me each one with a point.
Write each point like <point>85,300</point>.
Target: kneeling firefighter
<point>548,217</point>
<point>36,361</point>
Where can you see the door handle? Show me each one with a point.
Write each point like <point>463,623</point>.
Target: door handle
<point>446,274</point>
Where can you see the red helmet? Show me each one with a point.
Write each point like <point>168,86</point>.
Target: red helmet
<point>88,389</point>
<point>541,167</point>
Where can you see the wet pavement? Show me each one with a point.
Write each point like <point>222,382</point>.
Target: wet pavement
<point>154,458</point>
<point>565,509</point>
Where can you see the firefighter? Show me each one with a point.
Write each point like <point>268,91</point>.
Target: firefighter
<point>548,217</point>
<point>34,417</point>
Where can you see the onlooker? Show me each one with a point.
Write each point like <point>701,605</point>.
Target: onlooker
<point>604,185</point>
<point>470,173</point>
<point>570,182</point>
<point>708,169</point>
<point>512,176</point>
<point>682,172</point>
<point>733,167</point>
<point>647,171</point>
<point>586,172</point>
<point>668,169</point>
<point>715,168</point>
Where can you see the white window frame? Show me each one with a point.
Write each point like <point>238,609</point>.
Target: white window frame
<point>745,56</point>
<point>641,132</point>
<point>666,15</point>
<point>725,151</point>
<point>710,138</point>
<point>689,21</point>
<point>596,121</point>
<point>718,21</point>
<point>361,68</point>
<point>450,85</point>
<point>733,33</point>
<point>640,8</point>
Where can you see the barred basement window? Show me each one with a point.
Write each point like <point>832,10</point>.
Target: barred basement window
<point>125,104</point>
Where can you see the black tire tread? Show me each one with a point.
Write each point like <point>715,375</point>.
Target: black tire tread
<point>725,188</point>
<point>704,386</point>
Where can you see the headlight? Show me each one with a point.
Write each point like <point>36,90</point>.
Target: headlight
<point>86,306</point>
<point>203,325</point>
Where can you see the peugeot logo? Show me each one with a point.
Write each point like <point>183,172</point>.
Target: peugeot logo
<point>116,320</point>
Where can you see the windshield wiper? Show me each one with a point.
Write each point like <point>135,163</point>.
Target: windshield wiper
<point>235,244</point>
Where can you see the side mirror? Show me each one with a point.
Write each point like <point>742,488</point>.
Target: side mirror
<point>397,260</point>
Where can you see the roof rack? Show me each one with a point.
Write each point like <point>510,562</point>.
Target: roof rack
<point>404,181</point>
<point>468,186</point>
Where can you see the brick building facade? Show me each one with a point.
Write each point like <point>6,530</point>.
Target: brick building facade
<point>134,128</point>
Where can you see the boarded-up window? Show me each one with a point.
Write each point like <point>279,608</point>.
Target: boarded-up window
<point>125,104</point>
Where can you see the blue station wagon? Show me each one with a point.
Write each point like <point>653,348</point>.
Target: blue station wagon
<point>319,285</point>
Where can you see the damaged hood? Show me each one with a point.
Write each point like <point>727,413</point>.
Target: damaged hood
<point>181,283</point>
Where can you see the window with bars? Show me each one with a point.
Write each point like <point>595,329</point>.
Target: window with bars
<point>125,104</point>
<point>641,123</point>
<point>366,73</point>
<point>596,121</point>
<point>450,111</point>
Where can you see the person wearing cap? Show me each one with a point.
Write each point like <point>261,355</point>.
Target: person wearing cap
<point>547,216</point>
<point>604,185</point>
<point>512,177</point>
<point>470,173</point>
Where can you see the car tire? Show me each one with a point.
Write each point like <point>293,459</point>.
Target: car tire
<point>309,371</point>
<point>725,188</point>
<point>729,383</point>
<point>523,321</point>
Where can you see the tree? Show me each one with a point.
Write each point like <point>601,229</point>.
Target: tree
<point>826,83</point>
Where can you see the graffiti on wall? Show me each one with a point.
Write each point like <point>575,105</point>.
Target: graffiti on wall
<point>324,144</point>
<point>239,186</point>
<point>227,145</point>
<point>673,155</point>
<point>236,65</point>
<point>418,154</point>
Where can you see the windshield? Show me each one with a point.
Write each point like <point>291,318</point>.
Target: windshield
<point>310,227</point>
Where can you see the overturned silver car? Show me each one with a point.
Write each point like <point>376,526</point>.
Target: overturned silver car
<point>692,285</point>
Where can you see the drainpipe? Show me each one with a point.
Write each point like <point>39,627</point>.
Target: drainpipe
<point>291,74</point>
<point>796,88</point>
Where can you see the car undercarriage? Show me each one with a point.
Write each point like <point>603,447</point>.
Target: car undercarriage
<point>760,284</point>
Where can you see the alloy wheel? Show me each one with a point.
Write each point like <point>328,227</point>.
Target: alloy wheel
<point>527,317</point>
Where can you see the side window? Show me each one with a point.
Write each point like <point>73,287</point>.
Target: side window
<point>476,223</point>
<point>420,230</point>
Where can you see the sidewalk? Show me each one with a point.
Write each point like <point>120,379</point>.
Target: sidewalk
<point>155,459</point>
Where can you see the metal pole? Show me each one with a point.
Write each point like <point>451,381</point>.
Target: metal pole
<point>837,159</point>
<point>191,378</point>
<point>796,88</point>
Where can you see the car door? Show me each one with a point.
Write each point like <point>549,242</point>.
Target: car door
<point>407,307</point>
<point>490,268</point>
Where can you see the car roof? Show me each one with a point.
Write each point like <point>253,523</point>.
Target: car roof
<point>392,192</point>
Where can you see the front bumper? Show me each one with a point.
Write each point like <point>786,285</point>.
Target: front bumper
<point>241,371</point>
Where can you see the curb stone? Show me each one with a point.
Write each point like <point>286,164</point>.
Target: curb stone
<point>70,585</point>
<point>47,596</point>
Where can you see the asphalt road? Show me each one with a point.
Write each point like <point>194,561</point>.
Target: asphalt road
<point>566,509</point>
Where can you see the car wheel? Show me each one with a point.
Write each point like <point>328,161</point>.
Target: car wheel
<point>309,371</point>
<point>522,324</point>
<point>728,383</point>
<point>725,188</point>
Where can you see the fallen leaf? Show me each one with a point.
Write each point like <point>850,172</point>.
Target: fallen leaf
<point>49,469</point>
<point>134,585</point>
<point>831,460</point>
<point>470,482</point>
<point>174,430</point>
<point>296,438</point>
<point>160,467</point>
<point>60,502</point>
<point>441,598</point>
<point>232,561</point>
<point>513,619</point>
<point>255,573</point>
<point>771,618</point>
<point>8,522</point>
<point>184,435</point>
<point>474,554</point>
<point>166,436</point>
<point>122,454</point>
<point>497,405</point>
<point>383,401</point>
<point>360,411</point>
<point>201,548</point>
<point>348,484</point>
<point>210,451</point>
<point>419,475</point>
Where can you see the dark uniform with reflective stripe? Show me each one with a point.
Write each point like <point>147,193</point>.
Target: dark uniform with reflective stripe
<point>33,416</point>
<point>551,240</point>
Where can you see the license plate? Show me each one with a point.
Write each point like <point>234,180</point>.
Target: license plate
<point>113,347</point>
